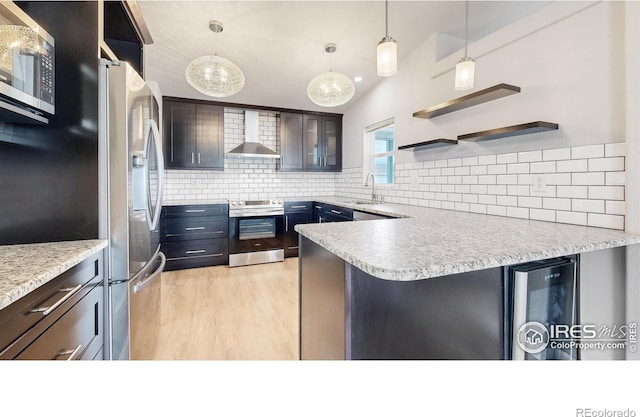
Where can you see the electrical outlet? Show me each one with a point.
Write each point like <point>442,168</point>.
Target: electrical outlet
<point>539,185</point>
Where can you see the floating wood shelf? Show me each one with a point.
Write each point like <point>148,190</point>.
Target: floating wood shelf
<point>502,132</point>
<point>428,144</point>
<point>473,99</point>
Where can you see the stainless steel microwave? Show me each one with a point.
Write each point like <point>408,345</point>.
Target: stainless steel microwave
<point>27,61</point>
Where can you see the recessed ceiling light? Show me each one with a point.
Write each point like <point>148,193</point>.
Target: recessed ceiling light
<point>357,79</point>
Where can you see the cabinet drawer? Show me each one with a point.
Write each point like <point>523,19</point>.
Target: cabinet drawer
<point>198,210</point>
<point>298,206</point>
<point>196,253</point>
<point>213,248</point>
<point>194,228</point>
<point>46,304</point>
<point>338,211</point>
<point>76,335</point>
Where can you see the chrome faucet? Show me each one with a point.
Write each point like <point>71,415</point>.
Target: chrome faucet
<point>374,197</point>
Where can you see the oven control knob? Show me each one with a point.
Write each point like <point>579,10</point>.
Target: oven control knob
<point>279,201</point>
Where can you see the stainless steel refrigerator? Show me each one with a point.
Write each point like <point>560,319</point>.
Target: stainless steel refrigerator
<point>131,183</point>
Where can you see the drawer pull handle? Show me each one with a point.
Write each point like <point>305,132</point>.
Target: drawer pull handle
<point>188,229</point>
<point>336,212</point>
<point>47,310</point>
<point>72,353</point>
<point>298,207</point>
<point>319,207</point>
<point>195,211</point>
<point>191,252</point>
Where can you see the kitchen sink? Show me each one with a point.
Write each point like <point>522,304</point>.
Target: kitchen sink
<point>365,202</point>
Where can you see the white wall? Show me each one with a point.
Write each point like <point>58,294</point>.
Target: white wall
<point>571,72</point>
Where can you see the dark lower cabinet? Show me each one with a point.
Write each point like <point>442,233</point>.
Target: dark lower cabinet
<point>194,236</point>
<point>332,213</point>
<point>62,320</point>
<point>295,212</point>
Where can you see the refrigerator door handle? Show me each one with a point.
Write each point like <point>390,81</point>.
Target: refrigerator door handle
<point>155,133</point>
<point>148,280</point>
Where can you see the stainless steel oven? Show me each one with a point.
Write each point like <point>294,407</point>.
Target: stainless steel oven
<point>256,232</point>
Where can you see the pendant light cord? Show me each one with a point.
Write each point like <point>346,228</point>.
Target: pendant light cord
<point>386,19</point>
<point>466,30</point>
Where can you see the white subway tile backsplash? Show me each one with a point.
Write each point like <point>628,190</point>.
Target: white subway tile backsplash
<point>556,154</point>
<point>573,191</point>
<point>576,165</point>
<point>519,212</point>
<point>478,170</point>
<point>520,190</point>
<point>487,159</point>
<point>615,178</point>
<point>507,158</point>
<point>506,179</point>
<point>616,207</point>
<point>544,215</point>
<point>518,168</point>
<point>478,208</point>
<point>605,220</point>
<point>486,179</point>
<point>615,149</point>
<point>497,169</point>
<point>472,179</point>
<point>591,206</point>
<point>542,167</point>
<point>530,202</point>
<point>455,162</point>
<point>462,171</point>
<point>479,189</point>
<point>473,160</point>
<point>571,217</point>
<point>531,156</point>
<point>525,179</point>
<point>442,163</point>
<point>506,200</point>
<point>488,199</point>
<point>556,203</point>
<point>590,178</point>
<point>589,151</point>
<point>557,179</point>
<point>497,210</point>
<point>606,192</point>
<point>606,164</point>
<point>497,189</point>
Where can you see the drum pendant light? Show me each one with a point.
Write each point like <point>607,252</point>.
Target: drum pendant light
<point>465,69</point>
<point>331,89</point>
<point>214,75</point>
<point>387,51</point>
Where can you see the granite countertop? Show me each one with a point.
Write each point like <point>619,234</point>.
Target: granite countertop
<point>434,242</point>
<point>194,202</point>
<point>24,268</point>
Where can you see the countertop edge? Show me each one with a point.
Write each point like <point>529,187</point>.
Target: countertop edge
<point>52,271</point>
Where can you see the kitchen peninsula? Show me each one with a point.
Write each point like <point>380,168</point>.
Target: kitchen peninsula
<point>431,286</point>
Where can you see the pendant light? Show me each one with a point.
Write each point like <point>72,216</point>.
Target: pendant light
<point>465,69</point>
<point>387,51</point>
<point>214,75</point>
<point>331,89</point>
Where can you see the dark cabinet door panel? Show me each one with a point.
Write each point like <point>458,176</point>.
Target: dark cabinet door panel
<point>179,134</point>
<point>194,228</point>
<point>290,141</point>
<point>290,235</point>
<point>196,210</point>
<point>210,133</point>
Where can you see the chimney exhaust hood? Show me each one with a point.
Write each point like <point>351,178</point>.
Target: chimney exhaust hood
<point>251,148</point>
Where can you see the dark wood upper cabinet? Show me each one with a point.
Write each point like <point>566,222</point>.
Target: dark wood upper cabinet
<point>290,141</point>
<point>193,135</point>
<point>310,142</point>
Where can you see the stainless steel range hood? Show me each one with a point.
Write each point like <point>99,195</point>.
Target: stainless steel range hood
<point>251,148</point>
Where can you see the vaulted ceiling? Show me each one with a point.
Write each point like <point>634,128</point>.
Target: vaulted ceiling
<point>279,45</point>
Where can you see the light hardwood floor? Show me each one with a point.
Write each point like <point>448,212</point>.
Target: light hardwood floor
<point>247,313</point>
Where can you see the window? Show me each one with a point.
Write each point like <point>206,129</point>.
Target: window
<point>378,151</point>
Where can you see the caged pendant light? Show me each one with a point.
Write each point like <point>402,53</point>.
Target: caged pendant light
<point>387,50</point>
<point>465,69</point>
<point>214,75</point>
<point>331,89</point>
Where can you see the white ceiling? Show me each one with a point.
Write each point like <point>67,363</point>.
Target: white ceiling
<point>279,45</point>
